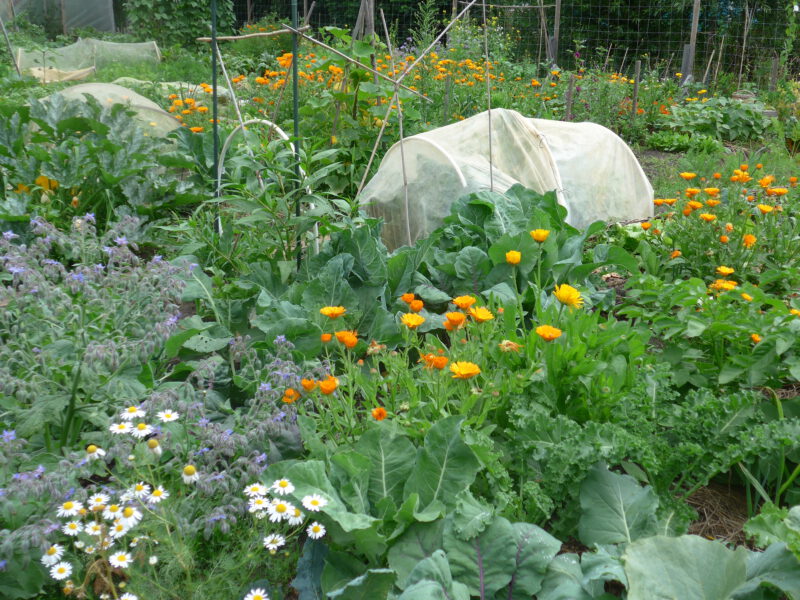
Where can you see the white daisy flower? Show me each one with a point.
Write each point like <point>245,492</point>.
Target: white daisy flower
<point>153,560</point>
<point>70,508</point>
<point>282,487</point>
<point>94,452</point>
<point>106,543</point>
<point>274,541</point>
<point>296,518</point>
<point>256,489</point>
<point>79,544</point>
<point>119,427</point>
<point>122,560</point>
<point>90,549</point>
<point>126,497</point>
<point>257,594</point>
<point>279,510</point>
<point>167,416</point>
<point>314,502</point>
<point>94,529</point>
<point>61,570</point>
<point>154,446</point>
<point>52,555</point>
<point>258,504</point>
<point>112,512</point>
<point>190,474</point>
<point>140,490</point>
<point>158,495</point>
<point>98,501</point>
<point>72,528</point>
<point>141,430</point>
<point>315,530</point>
<point>132,412</point>
<point>128,596</point>
<point>131,516</point>
<point>261,515</point>
<point>118,529</point>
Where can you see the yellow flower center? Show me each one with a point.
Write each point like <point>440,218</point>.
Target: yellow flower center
<point>141,426</point>
<point>281,508</point>
<point>68,505</point>
<point>51,550</point>
<point>128,512</point>
<point>157,493</point>
<point>189,470</point>
<point>91,449</point>
<point>152,444</point>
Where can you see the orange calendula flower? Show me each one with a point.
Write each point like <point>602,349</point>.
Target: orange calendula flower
<point>749,240</point>
<point>686,211</point>
<point>509,346</point>
<point>416,305</point>
<point>743,167</point>
<point>290,395</point>
<point>513,257</point>
<point>688,176</point>
<point>325,338</point>
<point>308,384</point>
<point>333,312</point>
<point>795,312</point>
<point>540,235</point>
<point>481,314</point>
<point>756,338</point>
<point>464,370</point>
<point>759,166</point>
<point>724,239</point>
<point>646,226</point>
<point>457,319</point>
<point>568,295</point>
<point>793,181</point>
<point>765,208</point>
<point>658,201</point>
<point>434,361</point>
<point>723,285</point>
<point>196,129</point>
<point>412,320</point>
<point>694,204</point>
<point>766,181</point>
<point>708,217</point>
<point>46,183</point>
<point>548,333</point>
<point>777,191</point>
<point>408,298</point>
<point>328,385</point>
<point>747,297</point>
<point>674,254</point>
<point>724,271</point>
<point>728,227</point>
<point>670,201</point>
<point>692,192</point>
<point>717,176</point>
<point>348,338</point>
<point>464,302</point>
<point>711,191</point>
<point>379,414</point>
<point>713,202</point>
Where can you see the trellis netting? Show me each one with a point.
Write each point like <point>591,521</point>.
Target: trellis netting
<point>593,171</point>
<point>82,58</point>
<point>63,15</point>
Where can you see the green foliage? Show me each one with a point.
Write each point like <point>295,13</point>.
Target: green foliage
<point>775,525</point>
<point>671,141</point>
<point>177,22</point>
<point>722,118</point>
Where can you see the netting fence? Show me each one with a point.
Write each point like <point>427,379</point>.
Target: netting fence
<point>739,39</point>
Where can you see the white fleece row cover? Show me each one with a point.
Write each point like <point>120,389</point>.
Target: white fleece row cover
<point>594,173</point>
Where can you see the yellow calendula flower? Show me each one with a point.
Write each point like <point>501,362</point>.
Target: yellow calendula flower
<point>481,314</point>
<point>568,295</point>
<point>540,235</point>
<point>464,302</point>
<point>509,346</point>
<point>513,257</point>
<point>708,217</point>
<point>412,320</point>
<point>765,208</point>
<point>548,333</point>
<point>464,370</point>
<point>688,176</point>
<point>333,312</point>
<point>724,271</point>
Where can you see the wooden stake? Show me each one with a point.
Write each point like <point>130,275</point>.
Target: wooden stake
<point>556,29</point>
<point>693,39</point>
<point>233,38</point>
<point>10,49</point>
<point>708,67</point>
<point>773,76</point>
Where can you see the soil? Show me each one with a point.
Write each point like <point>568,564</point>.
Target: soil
<point>722,513</point>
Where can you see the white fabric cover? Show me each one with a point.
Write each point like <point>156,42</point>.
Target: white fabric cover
<point>594,173</point>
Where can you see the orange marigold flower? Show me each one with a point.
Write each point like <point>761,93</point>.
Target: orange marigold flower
<point>777,191</point>
<point>688,176</point>
<point>686,211</point>
<point>333,312</point>
<point>692,192</point>
<point>196,129</point>
<point>408,298</point>
<point>749,240</point>
<point>646,225</point>
<point>724,271</point>
<point>540,235</point>
<point>713,202</point>
<point>674,254</point>
<point>290,395</point>
<point>379,414</point>
<point>759,166</point>
<point>743,167</point>
<point>707,217</point>
<point>416,305</point>
<point>464,302</point>
<point>348,338</point>
<point>412,320</point>
<point>658,201</point>
<point>711,191</point>
<point>464,370</point>
<point>328,385</point>
<point>481,314</point>
<point>457,319</point>
<point>765,208</point>
<point>670,201</point>
<point>325,338</point>
<point>509,346</point>
<point>694,204</point>
<point>766,181</point>
<point>513,257</point>
<point>548,333</point>
<point>308,384</point>
<point>793,181</point>
<point>434,361</point>
<point>717,175</point>
<point>724,239</point>
<point>755,337</point>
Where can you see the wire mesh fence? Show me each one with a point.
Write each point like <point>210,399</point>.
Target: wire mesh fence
<point>736,40</point>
